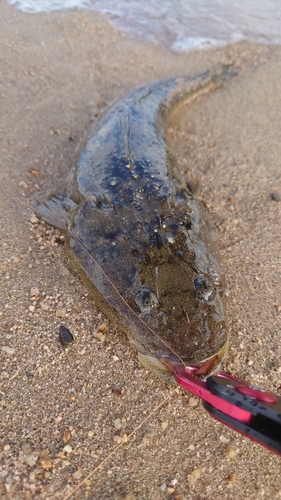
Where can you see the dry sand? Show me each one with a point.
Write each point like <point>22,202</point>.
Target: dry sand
<point>59,71</point>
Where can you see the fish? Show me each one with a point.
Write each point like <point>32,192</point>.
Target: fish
<point>138,236</point>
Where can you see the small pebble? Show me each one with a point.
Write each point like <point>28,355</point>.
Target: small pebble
<point>231,453</point>
<point>275,196</point>
<point>118,424</point>
<point>26,448</point>
<point>193,476</point>
<point>100,336</point>
<point>60,313</point>
<point>32,476</point>
<point>3,474</point>
<point>15,259</point>
<point>147,438</point>
<point>34,291</point>
<point>123,438</point>
<point>67,449</point>
<point>77,474</point>
<point>174,482</point>
<point>65,336</point>
<point>44,453</point>
<point>118,393</point>
<point>46,463</point>
<point>32,458</point>
<point>33,171</point>
<point>23,184</point>
<point>8,350</point>
<point>193,402</point>
<point>223,439</point>
<point>102,327</point>
<point>33,219</point>
<point>66,436</point>
<point>164,425</point>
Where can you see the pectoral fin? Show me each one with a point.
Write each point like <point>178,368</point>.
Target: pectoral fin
<point>55,211</point>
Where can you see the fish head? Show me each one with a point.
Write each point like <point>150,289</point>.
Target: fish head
<point>181,292</point>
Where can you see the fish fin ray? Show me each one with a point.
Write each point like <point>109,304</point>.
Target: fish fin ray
<point>55,210</point>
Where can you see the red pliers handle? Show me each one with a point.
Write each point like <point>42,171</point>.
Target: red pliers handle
<point>245,408</point>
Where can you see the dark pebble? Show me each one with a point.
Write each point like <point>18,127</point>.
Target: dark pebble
<point>117,392</point>
<point>65,336</point>
<point>275,196</point>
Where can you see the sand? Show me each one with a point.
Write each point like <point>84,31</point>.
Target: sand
<point>63,410</point>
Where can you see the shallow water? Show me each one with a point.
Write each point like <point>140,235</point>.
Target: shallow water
<point>181,24</point>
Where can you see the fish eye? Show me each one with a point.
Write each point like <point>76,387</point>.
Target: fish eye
<point>202,287</point>
<point>145,300</point>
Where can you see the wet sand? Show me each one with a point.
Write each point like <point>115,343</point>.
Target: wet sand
<point>63,410</point>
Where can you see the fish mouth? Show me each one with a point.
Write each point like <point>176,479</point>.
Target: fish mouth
<point>205,368</point>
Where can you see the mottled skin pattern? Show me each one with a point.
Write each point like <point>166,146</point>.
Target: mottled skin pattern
<point>138,236</point>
